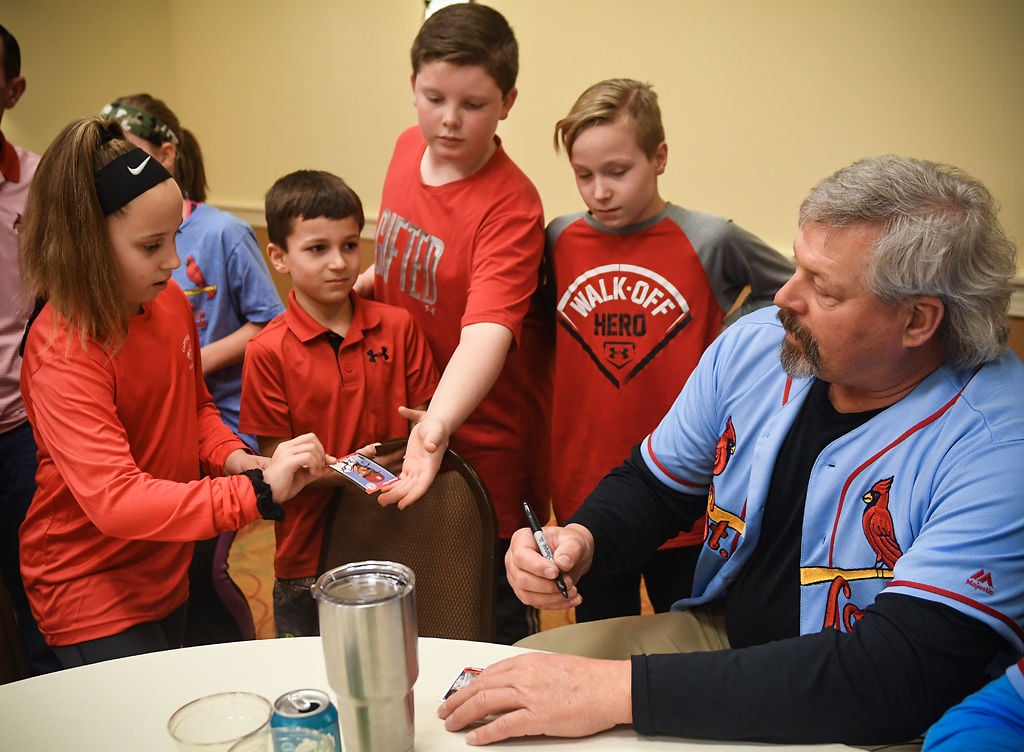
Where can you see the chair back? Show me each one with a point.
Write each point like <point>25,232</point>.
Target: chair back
<point>13,665</point>
<point>448,538</point>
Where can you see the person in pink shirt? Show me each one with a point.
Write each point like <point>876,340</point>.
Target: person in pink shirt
<point>17,449</point>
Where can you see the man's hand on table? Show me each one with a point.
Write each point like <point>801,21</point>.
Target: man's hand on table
<point>542,693</point>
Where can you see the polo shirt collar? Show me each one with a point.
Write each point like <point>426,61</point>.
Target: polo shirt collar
<point>306,328</point>
<point>10,165</point>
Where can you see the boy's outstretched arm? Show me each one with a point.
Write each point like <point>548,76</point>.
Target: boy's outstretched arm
<point>364,283</point>
<point>468,377</point>
<point>229,349</point>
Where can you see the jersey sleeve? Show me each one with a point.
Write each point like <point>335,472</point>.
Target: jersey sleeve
<point>967,554</point>
<point>680,450</point>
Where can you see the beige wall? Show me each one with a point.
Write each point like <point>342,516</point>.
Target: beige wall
<point>760,99</point>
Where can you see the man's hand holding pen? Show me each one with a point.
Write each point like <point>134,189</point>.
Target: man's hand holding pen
<point>532,576</point>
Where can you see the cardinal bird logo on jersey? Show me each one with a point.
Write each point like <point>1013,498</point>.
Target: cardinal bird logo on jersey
<point>878,528</point>
<point>726,447</point>
<point>622,315</point>
<point>195,275</point>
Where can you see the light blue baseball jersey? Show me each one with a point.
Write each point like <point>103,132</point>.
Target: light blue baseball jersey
<point>945,464</point>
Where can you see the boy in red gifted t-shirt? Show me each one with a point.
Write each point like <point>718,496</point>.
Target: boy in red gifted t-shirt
<point>460,239</point>
<point>332,360</point>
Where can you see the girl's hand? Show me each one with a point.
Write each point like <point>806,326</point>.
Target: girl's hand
<point>240,460</point>
<point>295,464</point>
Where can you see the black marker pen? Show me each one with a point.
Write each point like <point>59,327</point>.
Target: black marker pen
<point>542,544</point>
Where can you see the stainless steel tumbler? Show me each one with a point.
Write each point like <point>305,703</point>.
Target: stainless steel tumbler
<point>368,631</point>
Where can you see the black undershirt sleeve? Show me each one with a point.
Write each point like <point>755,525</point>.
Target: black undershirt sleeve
<point>906,661</point>
<point>630,513</point>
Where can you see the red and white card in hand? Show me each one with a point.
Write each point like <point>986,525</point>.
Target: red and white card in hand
<point>364,472</point>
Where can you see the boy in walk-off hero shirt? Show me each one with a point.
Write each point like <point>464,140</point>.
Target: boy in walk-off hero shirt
<point>642,287</point>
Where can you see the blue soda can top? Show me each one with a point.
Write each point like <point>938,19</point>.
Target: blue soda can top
<point>309,708</point>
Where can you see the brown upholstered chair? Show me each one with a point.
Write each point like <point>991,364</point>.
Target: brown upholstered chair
<point>448,538</point>
<point>13,665</point>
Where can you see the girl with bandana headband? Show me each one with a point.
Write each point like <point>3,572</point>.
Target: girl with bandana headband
<point>226,280</point>
<point>119,409</point>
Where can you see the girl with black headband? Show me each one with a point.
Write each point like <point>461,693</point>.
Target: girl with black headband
<point>119,409</point>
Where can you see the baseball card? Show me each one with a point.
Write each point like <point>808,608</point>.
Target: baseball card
<point>464,678</point>
<point>364,472</point>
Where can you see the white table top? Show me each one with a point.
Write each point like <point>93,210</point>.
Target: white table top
<point>125,704</point>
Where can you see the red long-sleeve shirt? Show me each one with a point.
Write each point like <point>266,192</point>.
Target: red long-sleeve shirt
<point>106,543</point>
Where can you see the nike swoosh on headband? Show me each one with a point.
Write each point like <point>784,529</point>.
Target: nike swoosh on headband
<point>115,187</point>
<point>137,170</point>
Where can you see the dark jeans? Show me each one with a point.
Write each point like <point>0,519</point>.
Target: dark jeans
<point>209,619</point>
<point>667,575</point>
<point>17,486</point>
<point>295,611</point>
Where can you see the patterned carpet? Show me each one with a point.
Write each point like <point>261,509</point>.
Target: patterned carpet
<point>251,564</point>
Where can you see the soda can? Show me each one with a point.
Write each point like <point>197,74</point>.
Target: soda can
<point>307,708</point>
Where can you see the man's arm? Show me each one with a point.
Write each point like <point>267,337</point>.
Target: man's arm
<point>886,681</point>
<point>905,662</point>
<point>630,513</point>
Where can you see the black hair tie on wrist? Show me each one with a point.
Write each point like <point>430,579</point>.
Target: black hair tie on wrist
<point>268,508</point>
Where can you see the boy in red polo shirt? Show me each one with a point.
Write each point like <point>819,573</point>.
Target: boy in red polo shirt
<point>332,360</point>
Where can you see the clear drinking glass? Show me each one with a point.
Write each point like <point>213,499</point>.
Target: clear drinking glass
<point>215,722</point>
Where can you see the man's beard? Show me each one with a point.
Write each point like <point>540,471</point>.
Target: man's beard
<point>803,361</point>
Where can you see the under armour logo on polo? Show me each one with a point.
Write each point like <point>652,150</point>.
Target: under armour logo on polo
<point>383,355</point>
<point>137,170</point>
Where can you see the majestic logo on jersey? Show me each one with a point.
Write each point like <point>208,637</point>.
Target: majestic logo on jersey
<point>982,580</point>
<point>622,315</point>
<point>383,354</point>
<point>726,447</point>
<point>417,253</point>
<point>195,276</point>
<point>877,523</point>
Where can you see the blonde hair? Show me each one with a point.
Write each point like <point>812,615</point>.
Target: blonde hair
<point>631,101</point>
<point>65,254</point>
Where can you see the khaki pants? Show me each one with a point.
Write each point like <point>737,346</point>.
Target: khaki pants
<point>696,629</point>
